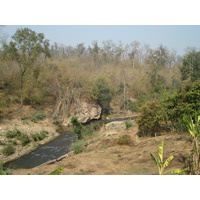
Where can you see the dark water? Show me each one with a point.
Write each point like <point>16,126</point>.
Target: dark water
<point>44,153</point>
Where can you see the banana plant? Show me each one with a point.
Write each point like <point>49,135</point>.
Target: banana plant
<point>58,171</point>
<point>194,130</point>
<point>159,161</point>
<point>162,165</point>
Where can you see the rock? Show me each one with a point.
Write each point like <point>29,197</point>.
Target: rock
<point>117,125</point>
<point>85,113</point>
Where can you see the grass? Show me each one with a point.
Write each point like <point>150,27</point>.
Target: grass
<point>8,150</point>
<point>40,136</point>
<point>124,140</point>
<point>78,146</point>
<point>24,139</point>
<point>38,116</point>
<point>13,134</point>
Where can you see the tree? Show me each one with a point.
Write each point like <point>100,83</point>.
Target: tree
<point>190,68</point>
<point>77,127</point>
<point>94,51</point>
<point>26,47</point>
<point>80,48</point>
<point>103,94</point>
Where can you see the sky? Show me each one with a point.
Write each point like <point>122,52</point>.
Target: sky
<point>174,37</point>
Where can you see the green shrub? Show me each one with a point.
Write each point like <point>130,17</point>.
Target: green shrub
<point>38,116</point>
<point>24,139</point>
<point>13,134</point>
<point>2,171</point>
<point>151,117</point>
<point>40,136</point>
<point>89,129</point>
<point>124,140</point>
<point>58,171</point>
<point>77,126</point>
<point>8,150</point>
<point>78,146</point>
<point>156,114</point>
<point>128,124</point>
<point>103,94</point>
<point>13,142</point>
<point>186,101</point>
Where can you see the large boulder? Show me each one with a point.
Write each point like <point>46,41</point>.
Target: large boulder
<point>85,113</point>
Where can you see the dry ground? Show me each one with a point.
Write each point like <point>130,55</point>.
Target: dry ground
<point>104,156</point>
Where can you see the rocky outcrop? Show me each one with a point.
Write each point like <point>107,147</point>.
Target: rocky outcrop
<point>85,113</point>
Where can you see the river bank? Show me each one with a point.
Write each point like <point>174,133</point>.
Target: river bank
<point>28,128</point>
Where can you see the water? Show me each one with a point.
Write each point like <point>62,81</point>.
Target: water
<point>44,153</point>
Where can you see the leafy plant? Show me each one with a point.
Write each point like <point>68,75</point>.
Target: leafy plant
<point>124,140</point>
<point>193,127</point>
<point>58,171</point>
<point>161,164</point>
<point>151,117</point>
<point>40,136</point>
<point>77,126</point>
<point>2,171</point>
<point>103,94</point>
<point>8,150</point>
<point>38,116</point>
<point>184,102</point>
<point>13,134</point>
<point>128,124</point>
<point>78,146</point>
<point>24,139</point>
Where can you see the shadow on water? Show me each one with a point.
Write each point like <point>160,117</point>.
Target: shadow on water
<point>44,153</point>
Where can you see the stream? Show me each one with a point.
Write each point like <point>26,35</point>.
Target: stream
<point>44,153</point>
<point>49,151</point>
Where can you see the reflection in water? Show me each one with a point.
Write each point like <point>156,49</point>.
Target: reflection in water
<point>44,153</point>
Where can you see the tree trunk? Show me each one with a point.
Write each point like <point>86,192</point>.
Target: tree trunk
<point>21,89</point>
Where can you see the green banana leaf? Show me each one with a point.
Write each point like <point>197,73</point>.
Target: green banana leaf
<point>168,161</point>
<point>154,159</point>
<point>160,152</point>
<point>58,171</point>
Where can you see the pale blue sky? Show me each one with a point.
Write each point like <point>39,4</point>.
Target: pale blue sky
<point>173,36</point>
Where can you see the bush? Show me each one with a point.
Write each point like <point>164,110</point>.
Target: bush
<point>13,134</point>
<point>128,124</point>
<point>185,102</point>
<point>124,140</point>
<point>103,94</point>
<point>154,114</point>
<point>77,127</point>
<point>151,117</point>
<point>8,150</point>
<point>78,146</point>
<point>24,139</point>
<point>38,116</point>
<point>40,136</point>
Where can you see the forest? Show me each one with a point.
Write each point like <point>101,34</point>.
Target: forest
<point>158,85</point>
